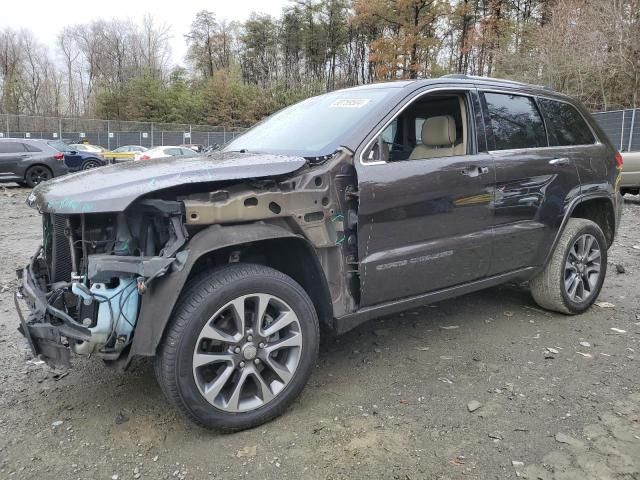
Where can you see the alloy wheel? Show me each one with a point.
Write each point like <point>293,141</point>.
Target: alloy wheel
<point>247,352</point>
<point>89,165</point>
<point>38,175</point>
<point>582,268</point>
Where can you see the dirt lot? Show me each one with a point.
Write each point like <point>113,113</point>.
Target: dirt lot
<point>559,395</point>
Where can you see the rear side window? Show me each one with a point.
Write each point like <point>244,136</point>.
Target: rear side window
<point>12,147</point>
<point>515,121</point>
<point>565,124</point>
<point>31,148</point>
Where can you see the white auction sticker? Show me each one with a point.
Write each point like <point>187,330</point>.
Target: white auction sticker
<point>349,103</point>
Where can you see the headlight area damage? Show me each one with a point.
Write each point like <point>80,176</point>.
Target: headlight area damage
<point>105,283</point>
<point>83,285</point>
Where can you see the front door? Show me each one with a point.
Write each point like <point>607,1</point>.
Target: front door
<point>11,153</point>
<point>425,212</point>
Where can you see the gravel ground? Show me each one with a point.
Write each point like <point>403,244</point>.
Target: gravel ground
<point>559,396</point>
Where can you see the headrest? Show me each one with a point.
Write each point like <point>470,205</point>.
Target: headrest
<point>439,131</point>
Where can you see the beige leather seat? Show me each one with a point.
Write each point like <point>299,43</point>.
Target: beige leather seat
<point>438,139</point>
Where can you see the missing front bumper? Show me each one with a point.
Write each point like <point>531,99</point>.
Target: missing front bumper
<point>47,341</point>
<point>44,339</point>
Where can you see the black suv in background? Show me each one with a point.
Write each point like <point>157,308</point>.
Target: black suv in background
<point>350,205</point>
<point>29,162</point>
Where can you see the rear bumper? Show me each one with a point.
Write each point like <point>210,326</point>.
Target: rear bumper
<point>59,168</point>
<point>46,329</point>
<point>618,202</point>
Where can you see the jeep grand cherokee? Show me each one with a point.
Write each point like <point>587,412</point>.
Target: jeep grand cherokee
<point>350,205</point>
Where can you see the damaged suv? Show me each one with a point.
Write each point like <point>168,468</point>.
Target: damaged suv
<point>347,206</point>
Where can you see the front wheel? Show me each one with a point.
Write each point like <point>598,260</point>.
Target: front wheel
<point>572,279</point>
<point>240,347</point>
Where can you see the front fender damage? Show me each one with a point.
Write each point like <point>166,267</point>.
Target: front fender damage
<point>317,208</point>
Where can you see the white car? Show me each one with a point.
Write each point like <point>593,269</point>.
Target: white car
<point>165,152</point>
<point>630,181</point>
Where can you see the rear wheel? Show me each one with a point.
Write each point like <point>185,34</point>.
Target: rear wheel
<point>240,347</point>
<point>37,174</point>
<point>572,279</point>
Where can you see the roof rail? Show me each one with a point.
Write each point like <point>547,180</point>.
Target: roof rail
<point>463,76</point>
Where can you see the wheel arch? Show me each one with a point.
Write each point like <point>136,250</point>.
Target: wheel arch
<point>36,164</point>
<point>597,208</point>
<point>261,243</point>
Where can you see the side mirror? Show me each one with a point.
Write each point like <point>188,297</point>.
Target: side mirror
<point>73,152</point>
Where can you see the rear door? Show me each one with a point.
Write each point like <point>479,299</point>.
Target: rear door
<point>11,153</point>
<point>424,222</point>
<point>533,180</point>
<point>568,129</point>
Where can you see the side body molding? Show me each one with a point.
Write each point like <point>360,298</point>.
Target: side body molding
<point>162,294</point>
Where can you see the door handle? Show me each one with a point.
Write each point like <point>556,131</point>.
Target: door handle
<point>559,161</point>
<point>473,171</point>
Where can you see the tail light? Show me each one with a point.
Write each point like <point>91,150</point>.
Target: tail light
<point>618,159</point>
<point>59,156</point>
<point>144,157</point>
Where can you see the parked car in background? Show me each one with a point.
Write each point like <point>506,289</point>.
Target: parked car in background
<point>76,159</point>
<point>29,162</point>
<point>86,147</point>
<point>165,152</point>
<point>196,147</point>
<point>630,181</point>
<point>126,152</point>
<point>212,148</point>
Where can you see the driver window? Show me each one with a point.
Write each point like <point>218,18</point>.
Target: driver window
<point>433,126</point>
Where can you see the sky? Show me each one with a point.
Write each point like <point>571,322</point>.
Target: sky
<point>46,18</point>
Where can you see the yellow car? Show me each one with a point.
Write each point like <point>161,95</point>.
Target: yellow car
<point>126,152</point>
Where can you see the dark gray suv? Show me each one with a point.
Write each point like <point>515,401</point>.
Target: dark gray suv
<point>29,161</point>
<point>347,206</point>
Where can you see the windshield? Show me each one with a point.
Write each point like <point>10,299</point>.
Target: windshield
<point>313,127</point>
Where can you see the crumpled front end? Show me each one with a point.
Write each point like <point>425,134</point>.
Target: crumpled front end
<point>81,290</point>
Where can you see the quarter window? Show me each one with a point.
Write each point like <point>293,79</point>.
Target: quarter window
<point>565,124</point>
<point>515,121</point>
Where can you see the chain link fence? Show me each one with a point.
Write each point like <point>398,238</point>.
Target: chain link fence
<point>112,134</point>
<point>622,127</point>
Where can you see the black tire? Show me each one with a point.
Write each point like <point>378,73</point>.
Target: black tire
<point>201,298</point>
<point>37,174</point>
<point>89,164</point>
<point>548,287</point>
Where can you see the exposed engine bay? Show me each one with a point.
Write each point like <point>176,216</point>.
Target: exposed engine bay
<point>86,283</point>
<point>94,268</point>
